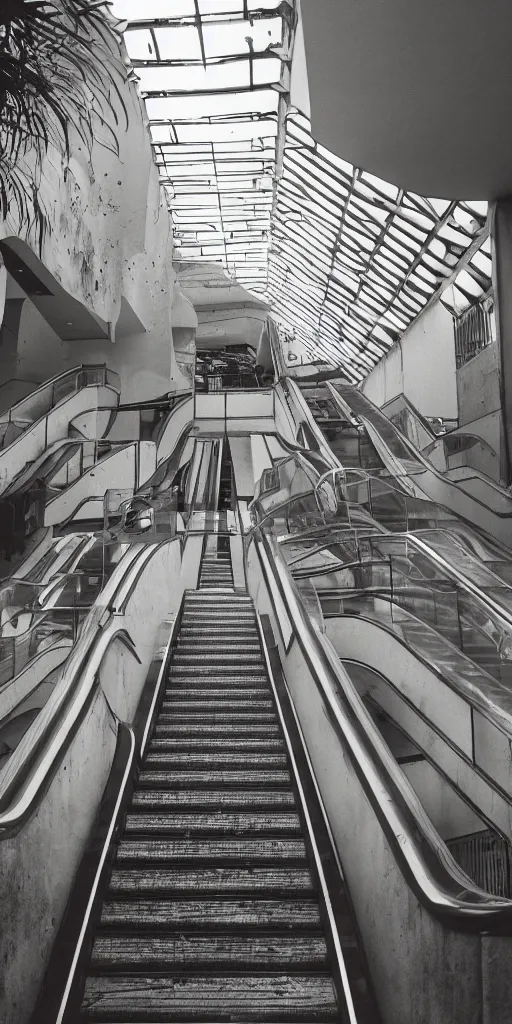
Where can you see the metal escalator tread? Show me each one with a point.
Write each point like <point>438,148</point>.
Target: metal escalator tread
<point>206,951</point>
<point>233,850</point>
<point>211,913</point>
<point>184,880</point>
<point>218,798</point>
<point>212,822</point>
<point>242,997</point>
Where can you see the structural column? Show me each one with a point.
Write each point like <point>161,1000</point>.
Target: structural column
<point>501,231</point>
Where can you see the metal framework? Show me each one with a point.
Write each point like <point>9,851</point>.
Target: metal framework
<point>347,261</point>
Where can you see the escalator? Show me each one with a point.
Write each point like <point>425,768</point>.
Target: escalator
<point>360,435</point>
<point>217,907</point>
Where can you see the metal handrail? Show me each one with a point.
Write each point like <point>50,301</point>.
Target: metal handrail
<point>60,378</point>
<point>427,467</point>
<point>29,768</point>
<point>437,881</point>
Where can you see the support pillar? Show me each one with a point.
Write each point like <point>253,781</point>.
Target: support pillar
<point>501,234</point>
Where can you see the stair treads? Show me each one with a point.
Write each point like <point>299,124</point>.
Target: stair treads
<point>211,730</point>
<point>196,627</point>
<point>146,798</point>
<point>213,822</point>
<point>205,760</point>
<point>215,778</point>
<point>212,914</point>
<point>222,912</point>
<point>216,648</point>
<point>216,669</point>
<point>210,718</point>
<point>230,602</point>
<point>248,850</point>
<point>209,998</point>
<point>196,702</point>
<point>251,696</point>
<point>214,641</point>
<point>179,881</point>
<point>188,743</point>
<point>223,683</point>
<point>215,656</point>
<point>218,615</point>
<point>207,951</point>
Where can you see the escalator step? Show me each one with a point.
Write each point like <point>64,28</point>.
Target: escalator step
<point>250,676</point>
<point>219,633</point>
<point>222,912</point>
<point>300,998</point>
<point>206,731</point>
<point>210,761</point>
<point>212,822</point>
<point>222,851</point>
<point>230,700</point>
<point>203,601</point>
<point>208,658</point>
<point>219,798</point>
<point>231,692</point>
<point>206,719</point>
<point>186,744</point>
<point>294,952</point>
<point>218,649</point>
<point>226,777</point>
<point>178,881</point>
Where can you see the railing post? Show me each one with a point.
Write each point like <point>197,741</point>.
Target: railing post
<point>459,621</point>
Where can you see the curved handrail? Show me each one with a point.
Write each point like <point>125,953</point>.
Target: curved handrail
<point>427,466</point>
<point>59,378</point>
<point>424,860</point>
<point>26,774</point>
<point>66,398</point>
<point>447,567</point>
<point>469,691</point>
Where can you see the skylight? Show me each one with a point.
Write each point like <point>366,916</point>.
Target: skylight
<point>346,260</point>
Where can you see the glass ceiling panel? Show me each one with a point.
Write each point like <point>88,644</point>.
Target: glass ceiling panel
<point>345,259</point>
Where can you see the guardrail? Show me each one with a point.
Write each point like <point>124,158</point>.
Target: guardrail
<point>30,766</point>
<point>437,881</point>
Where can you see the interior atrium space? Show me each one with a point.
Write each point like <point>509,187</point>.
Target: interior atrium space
<point>255,512</point>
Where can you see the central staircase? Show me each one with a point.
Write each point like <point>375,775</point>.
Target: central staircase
<point>212,912</point>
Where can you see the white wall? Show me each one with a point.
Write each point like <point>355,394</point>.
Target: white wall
<point>109,242</point>
<point>421,366</point>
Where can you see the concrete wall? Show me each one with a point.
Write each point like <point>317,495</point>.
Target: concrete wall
<point>421,366</point>
<point>109,246</point>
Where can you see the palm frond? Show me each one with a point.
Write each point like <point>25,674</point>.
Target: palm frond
<point>60,71</point>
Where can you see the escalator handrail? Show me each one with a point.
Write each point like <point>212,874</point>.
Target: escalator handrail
<point>116,447</point>
<point>182,398</point>
<point>66,398</point>
<point>477,698</point>
<point>74,371</point>
<point>30,767</point>
<point>427,467</point>
<point>464,582</point>
<point>435,878</point>
<point>323,447</point>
